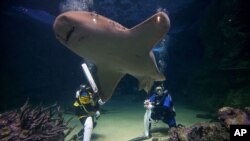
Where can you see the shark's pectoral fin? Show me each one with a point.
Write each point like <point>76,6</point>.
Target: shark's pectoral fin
<point>149,32</point>
<point>107,82</point>
<point>145,83</point>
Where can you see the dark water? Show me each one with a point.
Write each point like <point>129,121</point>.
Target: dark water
<point>206,56</point>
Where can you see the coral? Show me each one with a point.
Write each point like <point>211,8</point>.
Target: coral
<point>32,124</point>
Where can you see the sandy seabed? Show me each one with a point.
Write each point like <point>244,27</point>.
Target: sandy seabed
<point>122,120</point>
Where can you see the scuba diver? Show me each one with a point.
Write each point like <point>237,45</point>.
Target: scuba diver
<point>87,109</point>
<point>158,107</point>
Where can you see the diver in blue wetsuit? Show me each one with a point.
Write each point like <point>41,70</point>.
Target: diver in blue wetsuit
<point>159,107</point>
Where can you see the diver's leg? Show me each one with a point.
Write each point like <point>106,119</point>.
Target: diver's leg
<point>171,122</point>
<point>94,122</point>
<point>170,119</point>
<point>88,127</point>
<point>147,123</point>
<point>79,135</point>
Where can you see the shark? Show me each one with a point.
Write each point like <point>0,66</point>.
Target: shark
<point>113,48</point>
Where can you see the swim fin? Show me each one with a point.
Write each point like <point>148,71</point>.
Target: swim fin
<point>140,138</point>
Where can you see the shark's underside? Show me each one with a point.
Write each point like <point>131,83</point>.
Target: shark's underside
<point>114,49</point>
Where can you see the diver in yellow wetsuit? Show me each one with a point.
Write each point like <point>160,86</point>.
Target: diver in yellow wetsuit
<point>87,109</point>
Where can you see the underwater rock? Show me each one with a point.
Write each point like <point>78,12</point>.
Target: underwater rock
<point>200,132</point>
<point>229,116</point>
<point>247,110</point>
<point>212,131</point>
<point>39,123</point>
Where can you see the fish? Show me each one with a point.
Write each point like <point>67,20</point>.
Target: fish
<point>113,48</point>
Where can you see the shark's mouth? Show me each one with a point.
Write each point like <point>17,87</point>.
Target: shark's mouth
<point>69,34</point>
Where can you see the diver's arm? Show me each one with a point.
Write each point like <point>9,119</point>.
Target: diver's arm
<point>100,102</point>
<point>97,114</point>
<point>167,102</point>
<point>148,104</point>
<point>77,94</point>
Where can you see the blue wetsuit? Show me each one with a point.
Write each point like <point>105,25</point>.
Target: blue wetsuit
<point>163,108</point>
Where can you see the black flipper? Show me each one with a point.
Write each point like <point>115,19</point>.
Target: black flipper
<point>141,138</point>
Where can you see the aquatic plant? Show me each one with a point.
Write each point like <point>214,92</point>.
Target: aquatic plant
<point>33,124</point>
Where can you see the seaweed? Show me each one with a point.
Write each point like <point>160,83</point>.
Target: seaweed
<point>33,124</point>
